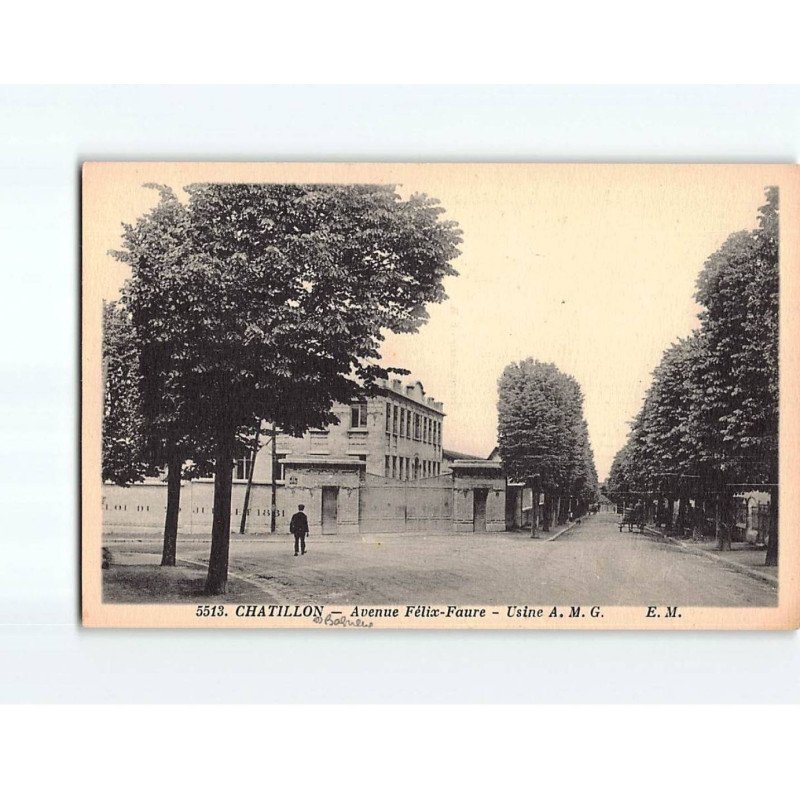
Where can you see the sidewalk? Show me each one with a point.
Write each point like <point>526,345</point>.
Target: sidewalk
<point>741,557</point>
<point>550,536</point>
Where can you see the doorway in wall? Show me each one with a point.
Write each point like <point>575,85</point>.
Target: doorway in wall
<point>330,509</point>
<point>479,510</point>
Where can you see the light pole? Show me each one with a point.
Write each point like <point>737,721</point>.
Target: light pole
<point>246,505</point>
<point>273,507</point>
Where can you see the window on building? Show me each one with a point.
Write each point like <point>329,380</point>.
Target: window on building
<point>402,421</point>
<point>416,427</point>
<point>281,478</point>
<point>388,417</point>
<point>394,466</point>
<point>408,469</point>
<point>358,415</point>
<point>242,467</point>
<point>387,466</point>
<point>400,467</point>
<point>394,421</point>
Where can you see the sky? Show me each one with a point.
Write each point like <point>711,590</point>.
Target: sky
<point>591,267</point>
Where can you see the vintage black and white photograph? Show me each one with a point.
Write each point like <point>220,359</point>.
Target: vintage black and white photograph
<point>469,395</point>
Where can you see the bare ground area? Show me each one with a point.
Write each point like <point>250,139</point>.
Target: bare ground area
<point>592,563</point>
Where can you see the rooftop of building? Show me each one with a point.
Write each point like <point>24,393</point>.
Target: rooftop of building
<point>413,391</point>
<point>454,455</point>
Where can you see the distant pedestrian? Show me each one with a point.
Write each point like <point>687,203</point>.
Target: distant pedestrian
<point>299,527</point>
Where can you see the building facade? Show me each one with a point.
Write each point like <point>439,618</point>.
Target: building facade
<point>380,470</point>
<point>398,436</point>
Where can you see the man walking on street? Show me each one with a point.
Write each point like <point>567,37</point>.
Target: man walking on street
<point>299,527</point>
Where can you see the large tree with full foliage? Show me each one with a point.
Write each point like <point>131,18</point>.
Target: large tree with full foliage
<point>664,453</point>
<point>542,435</point>
<point>711,412</point>
<point>124,458</point>
<point>739,287</point>
<point>275,305</point>
<point>156,248</point>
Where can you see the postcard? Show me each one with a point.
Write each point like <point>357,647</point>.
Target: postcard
<point>440,395</point>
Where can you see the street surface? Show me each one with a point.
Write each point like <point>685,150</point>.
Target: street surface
<point>593,563</point>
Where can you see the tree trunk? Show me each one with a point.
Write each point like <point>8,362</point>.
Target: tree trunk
<point>708,510</point>
<point>563,516</point>
<point>534,511</point>
<point>546,513</point>
<point>671,513</point>
<point>680,523</point>
<point>721,528</point>
<point>169,552</point>
<point>772,545</point>
<point>221,526</point>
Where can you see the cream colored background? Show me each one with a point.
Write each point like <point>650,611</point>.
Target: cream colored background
<point>591,266</point>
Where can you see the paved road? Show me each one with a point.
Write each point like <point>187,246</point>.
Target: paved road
<point>642,568</point>
<point>591,564</point>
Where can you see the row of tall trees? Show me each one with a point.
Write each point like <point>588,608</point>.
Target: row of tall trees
<point>251,303</point>
<point>543,439</point>
<point>708,427</point>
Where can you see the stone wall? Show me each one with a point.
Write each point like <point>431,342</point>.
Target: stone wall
<point>391,506</point>
<point>362,503</point>
<point>141,508</point>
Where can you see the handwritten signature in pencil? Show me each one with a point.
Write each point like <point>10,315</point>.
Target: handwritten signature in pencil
<point>339,621</point>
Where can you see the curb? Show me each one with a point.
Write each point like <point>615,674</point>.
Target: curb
<point>749,571</point>
<point>561,533</point>
<point>245,577</point>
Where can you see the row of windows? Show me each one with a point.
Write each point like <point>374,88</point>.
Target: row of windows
<point>411,425</point>
<point>407,469</point>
